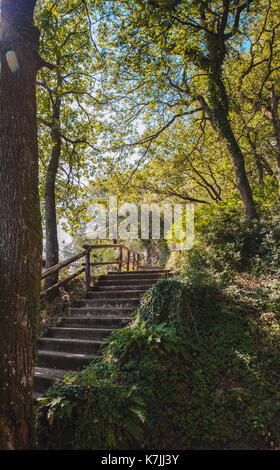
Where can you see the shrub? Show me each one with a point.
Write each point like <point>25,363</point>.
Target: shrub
<point>178,304</point>
<point>90,411</point>
<point>200,362</point>
<point>119,402</point>
<point>158,386</point>
<point>226,243</point>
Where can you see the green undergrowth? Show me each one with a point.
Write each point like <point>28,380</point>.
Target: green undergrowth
<point>227,244</point>
<point>199,363</point>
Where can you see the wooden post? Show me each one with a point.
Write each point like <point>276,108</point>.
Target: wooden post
<point>128,260</point>
<point>133,261</point>
<point>120,258</point>
<point>138,261</point>
<point>87,271</point>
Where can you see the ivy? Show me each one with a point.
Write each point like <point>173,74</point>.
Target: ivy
<point>165,382</point>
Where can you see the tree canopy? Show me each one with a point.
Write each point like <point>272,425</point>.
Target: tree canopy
<point>179,91</point>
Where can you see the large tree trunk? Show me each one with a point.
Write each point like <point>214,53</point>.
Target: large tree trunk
<point>52,247</point>
<point>20,224</point>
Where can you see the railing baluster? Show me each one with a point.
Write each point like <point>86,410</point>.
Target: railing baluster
<point>120,258</point>
<point>128,259</point>
<point>87,271</point>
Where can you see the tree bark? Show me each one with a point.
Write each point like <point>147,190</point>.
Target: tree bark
<point>219,117</point>
<point>52,246</point>
<point>152,253</point>
<point>20,224</point>
<point>276,127</point>
<point>257,157</point>
<point>239,165</point>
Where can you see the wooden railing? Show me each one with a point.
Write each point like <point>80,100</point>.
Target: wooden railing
<point>132,259</point>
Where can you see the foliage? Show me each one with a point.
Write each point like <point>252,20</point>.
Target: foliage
<point>90,412</point>
<point>185,300</point>
<point>139,127</point>
<point>227,244</point>
<point>216,381</point>
<point>65,95</point>
<point>200,361</point>
<point>170,73</point>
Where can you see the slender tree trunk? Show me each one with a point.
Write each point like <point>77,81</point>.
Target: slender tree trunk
<point>257,158</point>
<point>52,247</point>
<point>219,120</point>
<point>20,224</point>
<point>276,127</point>
<point>239,167</point>
<point>221,123</point>
<point>152,252</point>
<point>219,112</point>
<point>266,166</point>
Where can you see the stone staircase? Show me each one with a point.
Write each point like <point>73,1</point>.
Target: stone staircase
<point>76,340</point>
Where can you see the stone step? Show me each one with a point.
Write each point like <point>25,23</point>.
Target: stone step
<point>139,272</point>
<point>64,360</point>
<point>133,275</point>
<point>79,333</point>
<point>100,312</point>
<point>119,287</point>
<point>126,282</point>
<point>65,345</point>
<point>153,268</point>
<point>77,338</point>
<point>109,303</point>
<point>128,294</point>
<point>44,377</point>
<point>93,322</point>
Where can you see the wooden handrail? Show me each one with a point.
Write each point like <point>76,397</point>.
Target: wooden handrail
<point>63,264</point>
<point>64,281</point>
<point>93,247</point>
<point>87,264</point>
